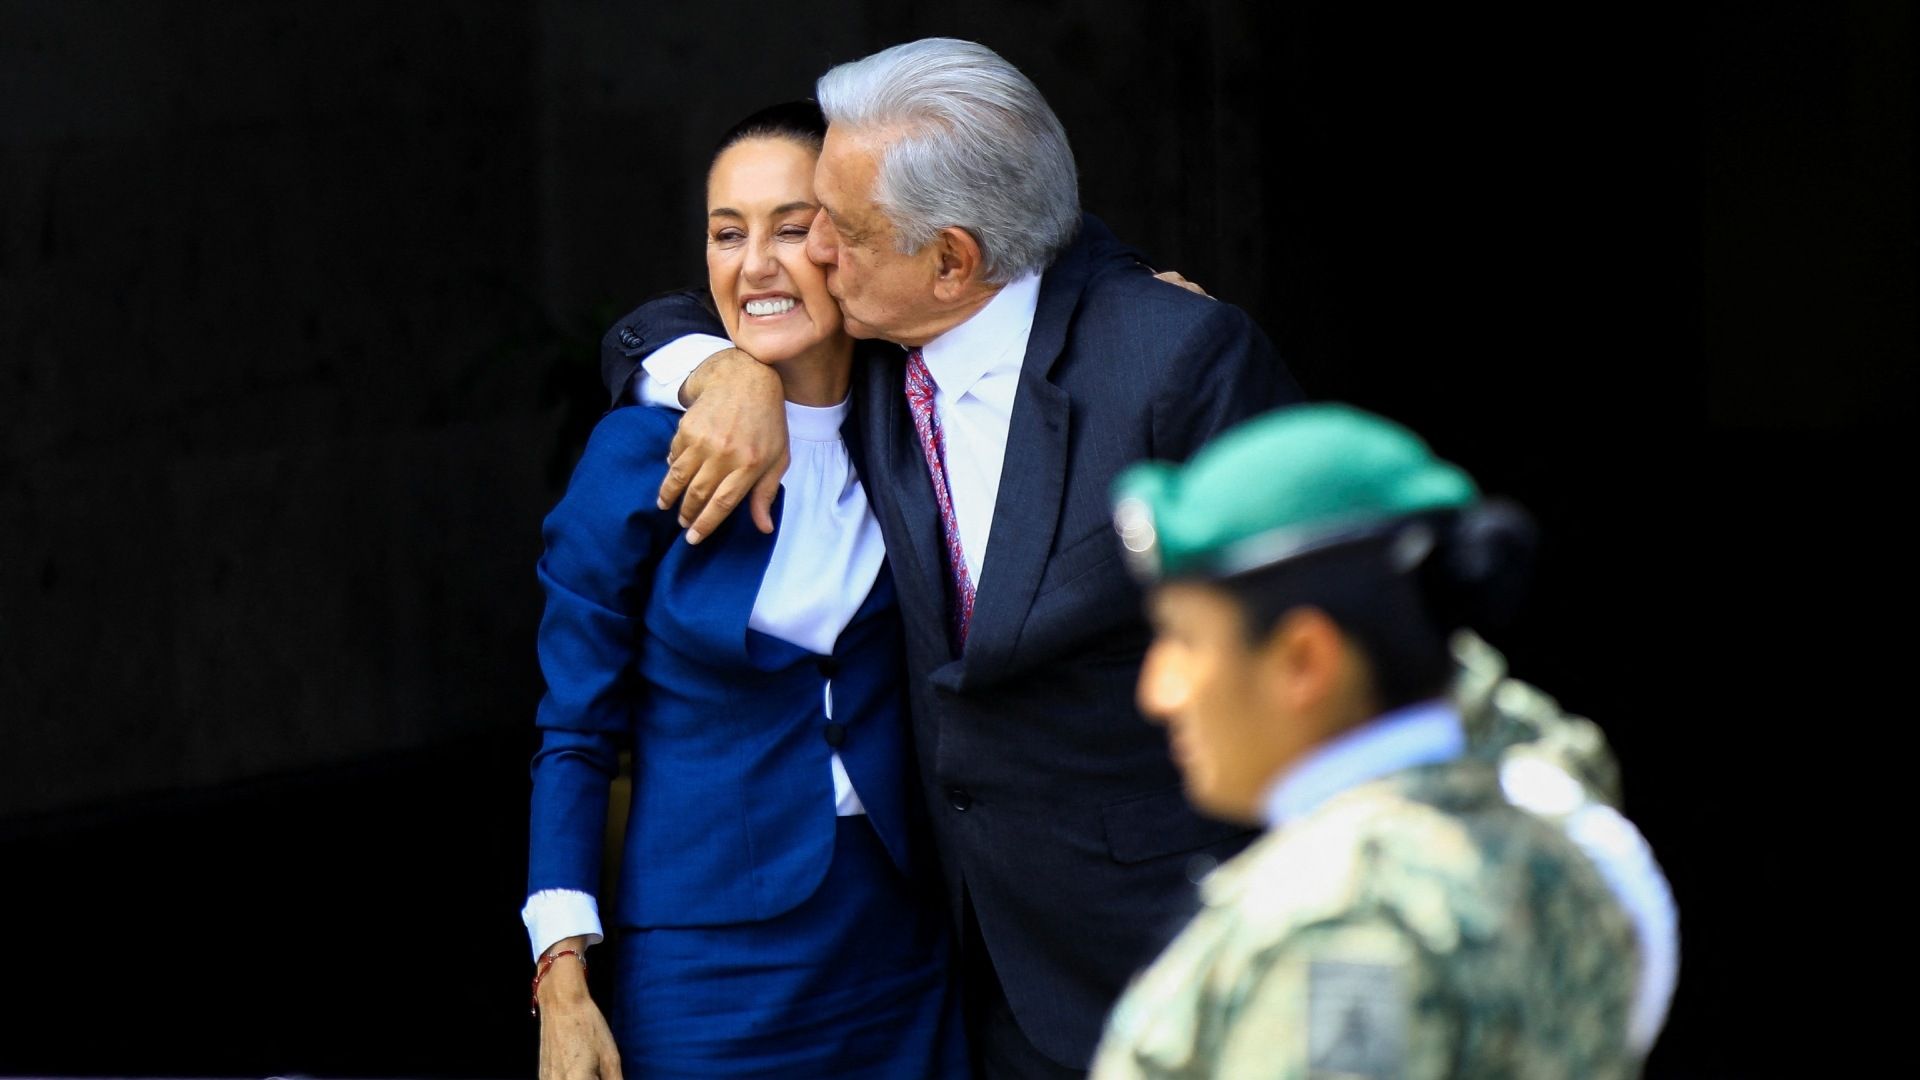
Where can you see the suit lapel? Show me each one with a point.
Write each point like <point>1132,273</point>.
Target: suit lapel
<point>898,487</point>
<point>1033,477</point>
<point>707,593</point>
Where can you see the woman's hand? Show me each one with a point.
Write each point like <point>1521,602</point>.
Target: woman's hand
<point>575,1042</point>
<point>732,443</point>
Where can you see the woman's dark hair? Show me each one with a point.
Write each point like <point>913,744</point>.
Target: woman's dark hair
<point>1400,595</point>
<point>799,121</point>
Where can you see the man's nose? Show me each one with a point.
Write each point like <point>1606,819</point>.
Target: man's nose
<point>823,245</point>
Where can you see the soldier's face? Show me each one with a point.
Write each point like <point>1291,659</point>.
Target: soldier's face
<point>1227,702</point>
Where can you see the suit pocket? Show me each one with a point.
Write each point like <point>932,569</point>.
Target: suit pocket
<point>1142,827</point>
<point>1079,559</point>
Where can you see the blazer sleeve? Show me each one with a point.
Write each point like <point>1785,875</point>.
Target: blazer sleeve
<point>653,324</point>
<point>1227,371</point>
<point>603,542</point>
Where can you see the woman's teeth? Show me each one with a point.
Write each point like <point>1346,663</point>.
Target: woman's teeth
<point>770,307</point>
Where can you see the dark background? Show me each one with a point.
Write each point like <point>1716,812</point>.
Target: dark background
<point>298,313</point>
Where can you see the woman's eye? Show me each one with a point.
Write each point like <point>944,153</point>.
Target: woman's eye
<point>793,233</point>
<point>728,237</point>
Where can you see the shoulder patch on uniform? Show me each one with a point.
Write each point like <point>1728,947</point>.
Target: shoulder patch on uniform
<point>1356,1020</point>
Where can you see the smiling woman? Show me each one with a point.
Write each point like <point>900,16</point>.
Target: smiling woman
<point>771,297</point>
<point>769,920</point>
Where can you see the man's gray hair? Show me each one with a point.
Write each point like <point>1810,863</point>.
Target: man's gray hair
<point>978,148</point>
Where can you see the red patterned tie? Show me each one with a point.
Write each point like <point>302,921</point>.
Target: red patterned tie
<point>927,423</point>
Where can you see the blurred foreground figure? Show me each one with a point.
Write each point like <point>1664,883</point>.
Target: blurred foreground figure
<point>1428,901</point>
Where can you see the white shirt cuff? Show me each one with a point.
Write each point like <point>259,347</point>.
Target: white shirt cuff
<point>669,366</point>
<point>557,914</point>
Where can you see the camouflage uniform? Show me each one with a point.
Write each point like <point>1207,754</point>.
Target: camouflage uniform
<point>1415,926</point>
<point>1508,720</point>
<point>1560,767</point>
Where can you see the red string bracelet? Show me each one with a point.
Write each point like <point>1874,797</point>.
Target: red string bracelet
<point>546,962</point>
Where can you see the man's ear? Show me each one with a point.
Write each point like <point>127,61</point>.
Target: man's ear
<point>1303,656</point>
<point>958,262</point>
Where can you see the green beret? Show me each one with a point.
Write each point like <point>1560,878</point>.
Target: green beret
<point>1277,486</point>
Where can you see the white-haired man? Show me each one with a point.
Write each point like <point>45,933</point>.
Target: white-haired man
<point>1040,357</point>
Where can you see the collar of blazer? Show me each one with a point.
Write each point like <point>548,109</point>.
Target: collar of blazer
<point>703,595</point>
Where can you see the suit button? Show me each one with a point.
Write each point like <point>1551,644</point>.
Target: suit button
<point>958,798</point>
<point>835,734</point>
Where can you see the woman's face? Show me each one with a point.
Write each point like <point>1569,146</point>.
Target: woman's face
<point>772,298</point>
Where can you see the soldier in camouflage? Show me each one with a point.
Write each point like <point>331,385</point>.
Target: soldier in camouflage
<point>1404,916</point>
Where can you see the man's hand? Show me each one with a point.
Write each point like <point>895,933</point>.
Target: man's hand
<point>1173,277</point>
<point>732,443</point>
<point>575,1042</point>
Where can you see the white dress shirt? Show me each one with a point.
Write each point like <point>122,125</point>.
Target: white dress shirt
<point>976,372</point>
<point>826,557</point>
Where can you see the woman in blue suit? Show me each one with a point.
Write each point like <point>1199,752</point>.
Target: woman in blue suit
<point>770,919</point>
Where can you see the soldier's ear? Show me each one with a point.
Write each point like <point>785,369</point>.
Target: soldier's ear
<point>1303,657</point>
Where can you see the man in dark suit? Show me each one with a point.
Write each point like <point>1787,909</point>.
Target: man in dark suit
<point>1041,358</point>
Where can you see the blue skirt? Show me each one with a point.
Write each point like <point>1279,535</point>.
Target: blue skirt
<point>854,982</point>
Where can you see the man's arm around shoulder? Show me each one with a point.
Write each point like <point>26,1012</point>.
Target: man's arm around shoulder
<point>732,444</point>
<point>634,338</point>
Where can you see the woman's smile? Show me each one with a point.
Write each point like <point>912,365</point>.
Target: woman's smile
<point>769,307</point>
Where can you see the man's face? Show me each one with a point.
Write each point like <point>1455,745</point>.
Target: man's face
<point>882,292</point>
<point>1214,690</point>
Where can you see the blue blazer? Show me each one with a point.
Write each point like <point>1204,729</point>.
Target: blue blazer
<point>645,638</point>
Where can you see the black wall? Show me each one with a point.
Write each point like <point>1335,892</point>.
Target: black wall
<point>298,311</point>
